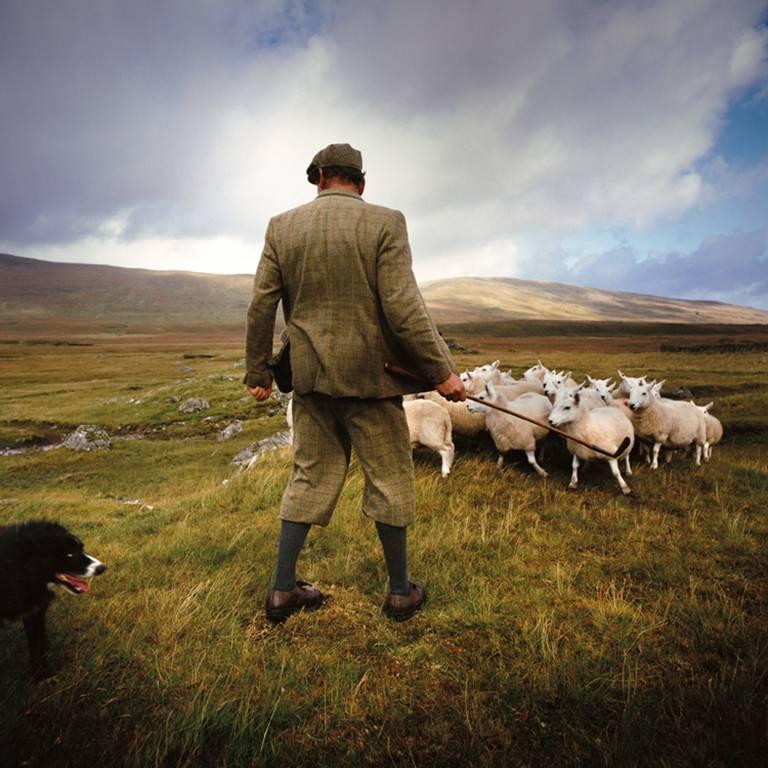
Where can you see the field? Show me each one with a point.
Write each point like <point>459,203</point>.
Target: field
<point>564,628</point>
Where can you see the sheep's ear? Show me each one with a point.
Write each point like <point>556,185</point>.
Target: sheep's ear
<point>568,375</point>
<point>622,376</point>
<point>708,406</point>
<point>611,385</point>
<point>495,363</point>
<point>580,387</point>
<point>590,379</point>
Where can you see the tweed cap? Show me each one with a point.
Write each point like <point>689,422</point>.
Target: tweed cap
<point>342,155</point>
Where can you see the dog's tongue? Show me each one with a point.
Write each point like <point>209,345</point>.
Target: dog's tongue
<point>79,585</point>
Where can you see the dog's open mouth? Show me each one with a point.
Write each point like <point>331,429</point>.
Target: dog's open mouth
<point>76,584</point>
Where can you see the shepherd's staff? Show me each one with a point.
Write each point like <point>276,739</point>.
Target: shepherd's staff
<point>397,371</point>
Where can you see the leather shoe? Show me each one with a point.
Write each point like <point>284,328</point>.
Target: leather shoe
<point>402,607</point>
<point>280,604</point>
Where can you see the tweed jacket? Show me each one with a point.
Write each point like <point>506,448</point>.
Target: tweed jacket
<point>342,268</point>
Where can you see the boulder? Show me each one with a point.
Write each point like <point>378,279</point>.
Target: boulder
<point>87,437</point>
<point>194,404</point>
<point>234,429</point>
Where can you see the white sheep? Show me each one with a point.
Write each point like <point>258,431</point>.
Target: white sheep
<point>606,388</point>
<point>491,372</point>
<point>508,432</point>
<point>538,372</point>
<point>713,426</point>
<point>430,425</point>
<point>627,382</point>
<point>669,423</point>
<point>554,380</point>
<point>475,383</point>
<point>463,422</point>
<point>605,427</point>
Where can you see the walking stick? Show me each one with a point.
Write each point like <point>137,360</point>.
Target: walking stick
<point>397,371</point>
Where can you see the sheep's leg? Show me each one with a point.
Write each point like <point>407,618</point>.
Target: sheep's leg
<point>500,461</point>
<point>574,472</point>
<point>707,452</point>
<point>532,461</point>
<point>614,465</point>
<point>656,449</point>
<point>447,454</point>
<point>698,455</point>
<point>627,465</point>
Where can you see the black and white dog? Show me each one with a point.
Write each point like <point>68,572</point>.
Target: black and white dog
<point>32,556</point>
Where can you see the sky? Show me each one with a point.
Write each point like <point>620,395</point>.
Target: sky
<point>617,144</point>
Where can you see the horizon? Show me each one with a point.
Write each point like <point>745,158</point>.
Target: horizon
<point>422,283</point>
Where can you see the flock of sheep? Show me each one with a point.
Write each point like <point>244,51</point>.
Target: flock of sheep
<point>597,412</point>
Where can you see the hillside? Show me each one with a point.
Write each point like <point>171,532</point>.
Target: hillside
<point>474,299</point>
<point>35,290</point>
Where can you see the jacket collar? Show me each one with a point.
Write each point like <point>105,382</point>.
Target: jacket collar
<point>329,192</point>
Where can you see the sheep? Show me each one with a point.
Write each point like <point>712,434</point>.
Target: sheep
<point>474,383</point>
<point>508,432</point>
<point>605,426</point>
<point>491,372</point>
<point>538,372</point>
<point>430,425</point>
<point>713,426</point>
<point>627,382</point>
<point>669,423</point>
<point>463,422</point>
<point>553,380</point>
<point>610,395</point>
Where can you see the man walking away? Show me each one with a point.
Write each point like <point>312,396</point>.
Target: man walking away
<point>342,268</point>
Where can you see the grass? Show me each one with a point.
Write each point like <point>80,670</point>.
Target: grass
<point>563,628</point>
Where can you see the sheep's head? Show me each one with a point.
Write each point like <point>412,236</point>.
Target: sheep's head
<point>567,406</point>
<point>486,394</point>
<point>553,381</point>
<point>604,388</point>
<point>537,371</point>
<point>643,393</point>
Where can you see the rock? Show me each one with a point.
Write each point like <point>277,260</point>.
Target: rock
<point>175,399</point>
<point>681,393</point>
<point>87,437</point>
<point>185,369</point>
<point>250,455</point>
<point>234,429</point>
<point>239,364</point>
<point>194,404</point>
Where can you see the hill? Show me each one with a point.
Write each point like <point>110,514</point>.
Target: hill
<point>36,290</point>
<point>477,299</point>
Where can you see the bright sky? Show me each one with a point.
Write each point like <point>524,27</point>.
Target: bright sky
<point>618,144</point>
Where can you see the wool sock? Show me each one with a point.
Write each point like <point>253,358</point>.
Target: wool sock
<point>394,541</point>
<point>292,538</point>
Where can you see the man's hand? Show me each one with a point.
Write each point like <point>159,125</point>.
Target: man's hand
<point>452,388</point>
<point>260,393</point>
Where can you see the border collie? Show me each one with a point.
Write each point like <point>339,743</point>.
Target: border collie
<point>32,556</point>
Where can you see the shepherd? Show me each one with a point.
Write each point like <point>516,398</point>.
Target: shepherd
<point>342,269</point>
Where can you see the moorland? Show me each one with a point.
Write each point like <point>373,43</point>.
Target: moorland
<point>564,628</point>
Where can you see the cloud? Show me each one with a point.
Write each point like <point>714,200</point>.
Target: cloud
<point>731,268</point>
<point>133,124</point>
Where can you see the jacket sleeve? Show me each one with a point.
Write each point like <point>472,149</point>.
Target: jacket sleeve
<point>404,307</point>
<point>260,325</point>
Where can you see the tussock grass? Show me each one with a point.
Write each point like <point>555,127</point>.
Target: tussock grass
<point>563,628</point>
